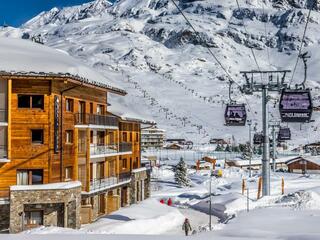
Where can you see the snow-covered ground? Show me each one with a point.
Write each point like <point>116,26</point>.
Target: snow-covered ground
<point>294,215</point>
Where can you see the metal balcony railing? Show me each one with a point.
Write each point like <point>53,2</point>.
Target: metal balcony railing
<point>109,149</point>
<point>104,149</point>
<point>102,120</point>
<point>104,183</point>
<point>3,115</point>
<point>125,147</point>
<point>3,151</point>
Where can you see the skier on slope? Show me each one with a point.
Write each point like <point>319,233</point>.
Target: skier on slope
<point>186,226</point>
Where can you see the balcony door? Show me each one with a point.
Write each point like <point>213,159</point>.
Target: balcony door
<point>82,111</point>
<point>100,138</point>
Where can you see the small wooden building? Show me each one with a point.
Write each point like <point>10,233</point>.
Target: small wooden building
<point>174,146</point>
<point>304,164</point>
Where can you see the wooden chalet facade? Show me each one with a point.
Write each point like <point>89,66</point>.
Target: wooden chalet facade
<point>304,165</point>
<point>57,138</point>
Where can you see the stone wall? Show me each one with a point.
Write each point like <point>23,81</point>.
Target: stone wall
<point>53,202</point>
<point>4,217</point>
<point>140,185</point>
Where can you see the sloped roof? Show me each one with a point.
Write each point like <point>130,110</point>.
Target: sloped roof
<point>24,57</point>
<point>312,159</point>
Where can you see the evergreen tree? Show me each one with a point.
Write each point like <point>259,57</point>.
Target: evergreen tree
<point>180,174</point>
<point>228,148</point>
<point>246,153</point>
<point>219,148</point>
<point>259,151</point>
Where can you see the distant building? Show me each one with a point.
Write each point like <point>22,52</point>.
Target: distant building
<point>304,164</point>
<point>152,138</point>
<point>217,141</point>
<point>180,141</point>
<point>174,146</point>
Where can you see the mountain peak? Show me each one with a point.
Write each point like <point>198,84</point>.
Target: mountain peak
<point>55,16</point>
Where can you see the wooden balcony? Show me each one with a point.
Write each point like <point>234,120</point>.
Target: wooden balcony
<point>96,120</point>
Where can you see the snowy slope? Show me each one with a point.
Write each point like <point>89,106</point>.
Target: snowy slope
<point>147,48</point>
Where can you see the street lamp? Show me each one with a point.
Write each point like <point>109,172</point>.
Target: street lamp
<point>210,200</point>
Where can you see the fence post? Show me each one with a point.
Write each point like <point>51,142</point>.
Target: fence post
<point>259,187</point>
<point>243,186</point>
<point>282,186</point>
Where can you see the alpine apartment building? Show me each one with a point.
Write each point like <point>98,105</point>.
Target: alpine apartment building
<point>65,157</point>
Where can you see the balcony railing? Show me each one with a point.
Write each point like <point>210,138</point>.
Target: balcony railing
<point>125,147</point>
<point>3,151</point>
<point>3,115</point>
<point>101,120</point>
<point>104,183</point>
<point>110,149</point>
<point>104,149</point>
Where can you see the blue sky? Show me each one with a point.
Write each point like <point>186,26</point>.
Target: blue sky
<point>17,12</point>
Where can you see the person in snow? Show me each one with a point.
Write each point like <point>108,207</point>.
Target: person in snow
<point>186,226</point>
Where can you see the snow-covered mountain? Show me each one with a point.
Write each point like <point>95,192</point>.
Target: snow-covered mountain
<point>147,47</point>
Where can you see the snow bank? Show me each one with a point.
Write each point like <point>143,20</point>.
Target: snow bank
<point>148,217</point>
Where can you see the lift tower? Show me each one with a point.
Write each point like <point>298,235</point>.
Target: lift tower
<point>269,81</point>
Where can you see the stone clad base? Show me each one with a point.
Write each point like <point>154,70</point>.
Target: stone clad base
<point>59,207</point>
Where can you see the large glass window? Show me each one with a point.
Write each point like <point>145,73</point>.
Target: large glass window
<point>23,101</point>
<point>69,105</point>
<point>30,177</point>
<point>33,218</point>
<point>31,101</point>
<point>37,101</point>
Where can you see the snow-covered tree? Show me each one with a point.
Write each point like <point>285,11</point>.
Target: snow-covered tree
<point>228,148</point>
<point>246,153</point>
<point>181,174</point>
<point>219,148</point>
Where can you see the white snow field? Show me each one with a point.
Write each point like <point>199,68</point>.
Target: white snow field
<point>147,48</point>
<point>294,215</point>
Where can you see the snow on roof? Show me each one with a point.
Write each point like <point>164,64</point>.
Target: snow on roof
<point>255,161</point>
<point>24,57</point>
<point>119,108</point>
<point>50,186</point>
<point>313,159</point>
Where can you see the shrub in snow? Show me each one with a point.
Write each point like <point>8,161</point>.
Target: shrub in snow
<point>180,174</point>
<point>246,154</point>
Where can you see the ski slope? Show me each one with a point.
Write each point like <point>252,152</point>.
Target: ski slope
<point>148,49</point>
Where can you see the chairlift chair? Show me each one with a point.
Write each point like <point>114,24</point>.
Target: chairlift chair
<point>295,105</point>
<point>284,134</point>
<point>235,114</point>
<point>258,138</point>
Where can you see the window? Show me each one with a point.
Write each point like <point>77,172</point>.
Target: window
<point>124,163</point>
<point>91,108</point>
<point>91,137</point>
<point>33,218</point>
<point>37,101</point>
<point>37,136</point>
<point>124,137</point>
<point>31,101</point>
<point>30,177</point>
<point>130,137</point>
<point>69,136</point>
<point>23,101</point>
<point>137,137</point>
<point>68,173</point>
<point>69,105</point>
<point>100,109</point>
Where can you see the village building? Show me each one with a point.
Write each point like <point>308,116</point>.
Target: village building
<point>67,156</point>
<point>152,138</point>
<point>304,165</point>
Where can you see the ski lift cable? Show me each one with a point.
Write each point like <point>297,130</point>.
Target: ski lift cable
<point>265,32</point>
<point>212,54</point>
<point>251,49</point>
<point>198,35</point>
<point>303,37</point>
